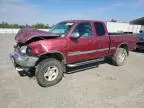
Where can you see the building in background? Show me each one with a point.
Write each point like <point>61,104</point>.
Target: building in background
<point>134,26</point>
<point>120,27</point>
<point>139,21</point>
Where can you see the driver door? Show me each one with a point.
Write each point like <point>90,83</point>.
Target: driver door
<point>78,48</point>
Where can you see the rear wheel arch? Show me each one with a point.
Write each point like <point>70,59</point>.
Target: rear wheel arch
<point>120,56</point>
<point>125,46</point>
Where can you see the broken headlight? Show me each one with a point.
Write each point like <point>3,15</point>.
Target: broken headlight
<point>23,49</point>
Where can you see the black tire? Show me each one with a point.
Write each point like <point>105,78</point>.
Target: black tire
<point>41,69</point>
<point>116,57</point>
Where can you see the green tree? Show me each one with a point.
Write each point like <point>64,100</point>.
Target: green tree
<point>40,26</point>
<point>113,20</point>
<point>37,25</point>
<point>4,25</point>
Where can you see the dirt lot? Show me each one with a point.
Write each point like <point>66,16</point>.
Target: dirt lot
<point>104,87</point>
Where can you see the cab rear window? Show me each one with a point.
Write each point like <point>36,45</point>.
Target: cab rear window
<point>100,30</point>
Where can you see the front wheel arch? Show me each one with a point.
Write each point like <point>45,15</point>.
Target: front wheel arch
<point>58,56</point>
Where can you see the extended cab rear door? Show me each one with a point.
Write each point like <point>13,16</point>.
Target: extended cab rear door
<point>101,40</point>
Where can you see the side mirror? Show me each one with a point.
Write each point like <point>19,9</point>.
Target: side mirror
<point>75,35</point>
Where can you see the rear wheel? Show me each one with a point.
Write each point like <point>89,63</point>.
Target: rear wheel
<point>120,57</point>
<point>49,72</point>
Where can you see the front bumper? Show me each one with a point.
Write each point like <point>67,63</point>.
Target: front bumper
<point>23,60</point>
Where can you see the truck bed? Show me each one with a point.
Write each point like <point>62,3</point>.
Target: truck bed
<point>122,38</point>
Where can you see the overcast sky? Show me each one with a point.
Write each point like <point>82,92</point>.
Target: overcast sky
<point>52,11</point>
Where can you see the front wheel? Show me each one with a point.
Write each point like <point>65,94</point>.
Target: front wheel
<point>49,72</point>
<point>120,57</point>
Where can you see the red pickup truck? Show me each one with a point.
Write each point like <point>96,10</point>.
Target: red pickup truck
<point>69,43</point>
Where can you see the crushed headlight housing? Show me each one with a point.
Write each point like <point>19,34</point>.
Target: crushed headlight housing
<point>29,51</point>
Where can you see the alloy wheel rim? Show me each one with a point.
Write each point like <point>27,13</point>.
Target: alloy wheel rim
<point>51,73</point>
<point>122,57</point>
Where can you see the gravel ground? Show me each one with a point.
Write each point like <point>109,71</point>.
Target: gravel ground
<point>105,86</point>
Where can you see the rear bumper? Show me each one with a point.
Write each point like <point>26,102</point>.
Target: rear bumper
<point>23,60</point>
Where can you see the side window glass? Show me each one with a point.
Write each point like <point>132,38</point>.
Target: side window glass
<point>99,27</point>
<point>84,30</point>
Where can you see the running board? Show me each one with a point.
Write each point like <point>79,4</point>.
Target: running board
<point>85,62</point>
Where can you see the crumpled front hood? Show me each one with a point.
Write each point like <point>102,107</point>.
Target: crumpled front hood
<point>26,34</point>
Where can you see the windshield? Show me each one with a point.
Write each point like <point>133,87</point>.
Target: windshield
<point>61,28</point>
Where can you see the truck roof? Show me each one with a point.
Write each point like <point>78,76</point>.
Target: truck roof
<point>84,21</point>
